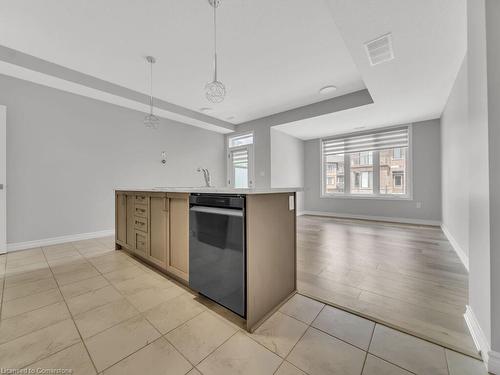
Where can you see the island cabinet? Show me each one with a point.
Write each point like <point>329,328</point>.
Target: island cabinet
<point>154,226</point>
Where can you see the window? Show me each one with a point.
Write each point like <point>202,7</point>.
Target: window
<point>240,140</point>
<point>361,172</point>
<point>376,164</point>
<point>334,174</point>
<point>240,161</point>
<point>397,153</point>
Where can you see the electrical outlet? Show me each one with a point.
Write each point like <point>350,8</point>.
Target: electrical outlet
<point>418,204</point>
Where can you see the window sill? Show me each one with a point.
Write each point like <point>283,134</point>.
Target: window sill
<point>371,197</point>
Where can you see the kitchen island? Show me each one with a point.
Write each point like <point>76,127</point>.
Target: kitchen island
<point>160,225</point>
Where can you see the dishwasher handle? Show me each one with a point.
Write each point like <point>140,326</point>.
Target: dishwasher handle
<point>217,210</point>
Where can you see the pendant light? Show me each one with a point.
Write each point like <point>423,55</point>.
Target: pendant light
<point>215,91</point>
<point>150,120</point>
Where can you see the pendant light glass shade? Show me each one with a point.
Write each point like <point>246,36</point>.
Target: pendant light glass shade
<point>215,91</point>
<point>150,120</point>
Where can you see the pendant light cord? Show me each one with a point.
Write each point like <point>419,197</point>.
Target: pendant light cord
<point>215,39</point>
<point>151,89</point>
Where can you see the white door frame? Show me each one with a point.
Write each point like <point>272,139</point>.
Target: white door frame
<point>3,179</point>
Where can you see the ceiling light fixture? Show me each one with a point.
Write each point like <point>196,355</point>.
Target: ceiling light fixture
<point>327,89</point>
<point>206,109</point>
<point>150,120</point>
<point>215,91</point>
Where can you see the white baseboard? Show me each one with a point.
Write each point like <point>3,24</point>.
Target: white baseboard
<point>57,240</point>
<point>403,220</point>
<point>458,249</point>
<point>300,213</point>
<point>491,359</point>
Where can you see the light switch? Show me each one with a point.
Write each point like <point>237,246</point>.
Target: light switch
<point>291,202</point>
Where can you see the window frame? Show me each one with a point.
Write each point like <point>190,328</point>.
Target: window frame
<point>376,172</point>
<point>229,165</point>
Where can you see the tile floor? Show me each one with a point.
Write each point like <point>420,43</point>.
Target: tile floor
<point>85,307</point>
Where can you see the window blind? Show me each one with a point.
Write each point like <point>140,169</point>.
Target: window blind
<point>378,140</point>
<point>240,159</point>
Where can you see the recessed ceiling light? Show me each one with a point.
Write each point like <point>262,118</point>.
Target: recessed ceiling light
<point>327,89</point>
<point>206,109</point>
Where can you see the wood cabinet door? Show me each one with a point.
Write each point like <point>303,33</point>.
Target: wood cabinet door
<point>130,222</point>
<point>121,218</point>
<point>159,223</point>
<point>178,252</point>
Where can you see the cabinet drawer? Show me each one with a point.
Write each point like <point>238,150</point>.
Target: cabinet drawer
<point>141,242</point>
<point>141,223</point>
<point>141,210</point>
<point>141,198</point>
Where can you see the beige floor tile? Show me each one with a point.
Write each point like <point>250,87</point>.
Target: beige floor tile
<point>23,263</point>
<point>24,254</point>
<point>377,366</point>
<point>158,358</point>
<point>459,364</point>
<point>124,274</point>
<point>66,260</point>
<point>96,320</point>
<point>83,286</point>
<point>318,353</point>
<point>194,371</point>
<point>71,264</point>
<point>408,352</point>
<point>302,308</point>
<point>91,300</point>
<point>29,303</point>
<point>280,333</point>
<point>287,368</point>
<point>25,268</point>
<point>57,252</point>
<point>84,244</point>
<point>132,335</point>
<point>169,315</point>
<point>109,262</point>
<point>200,336</point>
<point>29,348</point>
<point>147,299</point>
<point>74,358</point>
<point>142,283</point>
<point>240,355</point>
<point>94,251</point>
<point>17,279</point>
<point>77,275</point>
<point>345,326</point>
<point>29,289</point>
<point>23,324</point>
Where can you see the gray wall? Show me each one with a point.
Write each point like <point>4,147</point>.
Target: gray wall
<point>287,163</point>
<point>479,223</point>
<point>426,182</point>
<point>287,160</point>
<point>493,64</point>
<point>65,154</point>
<point>455,162</point>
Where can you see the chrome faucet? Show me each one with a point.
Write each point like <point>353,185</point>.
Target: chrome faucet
<point>206,176</point>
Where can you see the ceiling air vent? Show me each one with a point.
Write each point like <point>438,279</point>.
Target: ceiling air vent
<point>380,50</point>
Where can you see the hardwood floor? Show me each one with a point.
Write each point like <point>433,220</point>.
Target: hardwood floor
<point>404,276</point>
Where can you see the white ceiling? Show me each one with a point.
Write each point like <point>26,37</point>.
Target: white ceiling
<point>429,39</point>
<point>273,55</point>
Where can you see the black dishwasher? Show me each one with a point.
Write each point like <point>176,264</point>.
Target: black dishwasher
<point>217,250</point>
